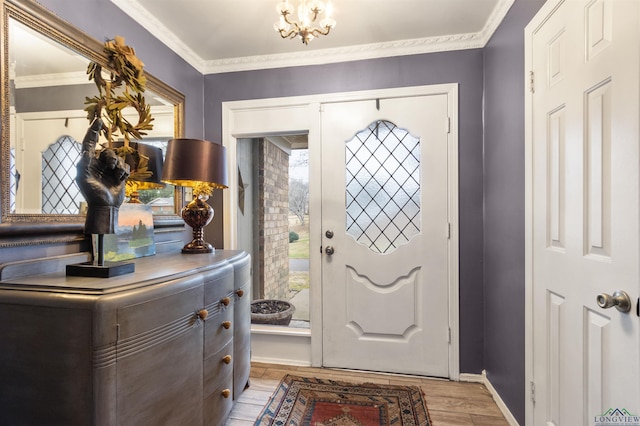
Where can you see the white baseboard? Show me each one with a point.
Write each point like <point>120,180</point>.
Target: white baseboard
<point>280,361</point>
<point>483,379</point>
<point>472,378</point>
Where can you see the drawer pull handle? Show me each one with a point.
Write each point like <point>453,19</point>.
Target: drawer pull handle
<point>225,301</point>
<point>203,314</point>
<point>225,393</point>
<point>240,293</point>
<point>227,359</point>
<point>226,325</point>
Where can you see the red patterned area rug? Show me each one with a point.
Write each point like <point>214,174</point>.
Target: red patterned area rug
<point>307,401</point>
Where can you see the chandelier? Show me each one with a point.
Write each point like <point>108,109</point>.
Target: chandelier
<point>308,12</point>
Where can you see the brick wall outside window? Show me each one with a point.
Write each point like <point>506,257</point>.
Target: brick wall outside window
<point>273,217</point>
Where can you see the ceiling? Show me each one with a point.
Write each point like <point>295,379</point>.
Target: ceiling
<point>234,35</point>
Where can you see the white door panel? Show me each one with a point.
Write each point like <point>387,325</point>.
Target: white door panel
<point>385,198</point>
<point>585,217</point>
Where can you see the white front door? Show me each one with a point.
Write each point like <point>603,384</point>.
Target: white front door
<point>385,235</point>
<point>585,212</point>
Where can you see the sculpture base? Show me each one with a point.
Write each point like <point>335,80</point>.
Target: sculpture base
<point>108,270</point>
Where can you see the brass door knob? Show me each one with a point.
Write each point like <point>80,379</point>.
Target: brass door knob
<point>226,325</point>
<point>225,393</point>
<point>226,359</point>
<point>240,293</point>
<point>203,314</point>
<point>225,301</point>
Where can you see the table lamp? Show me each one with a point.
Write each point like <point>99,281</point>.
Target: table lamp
<point>154,164</point>
<point>201,165</point>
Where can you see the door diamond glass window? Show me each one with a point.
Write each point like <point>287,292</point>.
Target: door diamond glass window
<point>383,186</point>
<point>60,193</point>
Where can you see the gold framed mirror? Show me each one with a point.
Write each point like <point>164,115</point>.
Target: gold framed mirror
<point>44,84</point>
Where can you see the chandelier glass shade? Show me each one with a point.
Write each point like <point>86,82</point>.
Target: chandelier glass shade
<point>308,12</point>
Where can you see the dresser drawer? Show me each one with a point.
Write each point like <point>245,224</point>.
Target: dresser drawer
<point>218,365</point>
<point>219,327</point>
<point>242,338</point>
<point>161,385</point>
<point>218,284</point>
<point>218,404</point>
<point>168,307</point>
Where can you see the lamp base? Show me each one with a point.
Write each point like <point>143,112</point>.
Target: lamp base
<point>197,214</point>
<point>195,247</point>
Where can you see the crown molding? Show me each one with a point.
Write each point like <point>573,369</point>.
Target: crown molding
<point>494,21</point>
<point>316,57</point>
<point>48,80</point>
<point>345,54</point>
<point>160,31</point>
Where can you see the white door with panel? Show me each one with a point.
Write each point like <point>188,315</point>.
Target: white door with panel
<point>385,225</point>
<point>585,213</point>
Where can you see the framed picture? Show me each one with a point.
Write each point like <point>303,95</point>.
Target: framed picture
<point>134,234</point>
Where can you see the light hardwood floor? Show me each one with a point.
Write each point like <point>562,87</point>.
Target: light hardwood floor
<point>449,403</point>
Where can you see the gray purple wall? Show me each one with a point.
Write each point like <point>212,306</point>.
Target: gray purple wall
<point>504,321</point>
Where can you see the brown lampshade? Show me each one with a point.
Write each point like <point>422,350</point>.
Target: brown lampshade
<point>191,161</point>
<point>155,165</point>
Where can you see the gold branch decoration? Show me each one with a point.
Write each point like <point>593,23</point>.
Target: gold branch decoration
<point>120,87</point>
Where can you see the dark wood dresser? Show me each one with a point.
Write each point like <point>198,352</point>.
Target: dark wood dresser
<point>166,345</point>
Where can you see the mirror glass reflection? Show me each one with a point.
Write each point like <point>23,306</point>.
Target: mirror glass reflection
<point>47,88</point>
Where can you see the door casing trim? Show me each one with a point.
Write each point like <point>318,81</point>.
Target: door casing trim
<point>301,114</point>
<point>534,25</point>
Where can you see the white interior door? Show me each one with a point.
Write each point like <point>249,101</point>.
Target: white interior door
<point>585,188</point>
<point>385,226</point>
